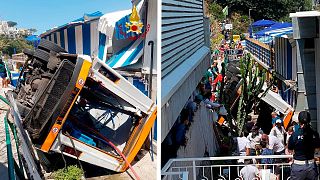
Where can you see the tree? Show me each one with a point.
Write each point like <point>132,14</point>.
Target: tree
<point>240,23</point>
<point>216,11</point>
<point>11,46</point>
<point>12,23</point>
<point>32,30</point>
<point>267,9</point>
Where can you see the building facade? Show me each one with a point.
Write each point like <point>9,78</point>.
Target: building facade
<point>306,36</point>
<point>185,56</point>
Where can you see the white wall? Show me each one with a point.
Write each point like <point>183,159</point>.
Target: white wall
<point>151,36</point>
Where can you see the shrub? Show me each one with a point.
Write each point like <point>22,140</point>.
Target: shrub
<point>70,173</point>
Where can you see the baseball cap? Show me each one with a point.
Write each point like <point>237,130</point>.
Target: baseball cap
<point>278,121</point>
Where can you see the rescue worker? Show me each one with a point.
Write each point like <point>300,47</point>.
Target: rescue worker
<point>302,144</point>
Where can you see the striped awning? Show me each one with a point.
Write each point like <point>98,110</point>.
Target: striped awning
<point>79,36</point>
<point>279,31</point>
<point>111,32</point>
<point>128,55</point>
<point>282,34</point>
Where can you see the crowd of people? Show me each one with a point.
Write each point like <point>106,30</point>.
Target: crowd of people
<point>208,92</point>
<point>299,139</point>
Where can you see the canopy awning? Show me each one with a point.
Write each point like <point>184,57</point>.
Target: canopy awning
<point>275,29</point>
<point>86,18</point>
<point>128,55</point>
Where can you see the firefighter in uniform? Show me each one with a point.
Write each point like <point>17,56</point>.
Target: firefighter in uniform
<point>303,144</point>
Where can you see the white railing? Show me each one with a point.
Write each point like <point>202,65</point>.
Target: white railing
<point>209,168</point>
<point>233,54</point>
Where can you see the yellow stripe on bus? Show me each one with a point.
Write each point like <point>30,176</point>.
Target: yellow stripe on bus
<point>141,139</point>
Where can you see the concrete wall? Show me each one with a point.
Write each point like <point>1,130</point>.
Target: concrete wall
<point>305,32</point>
<point>304,27</point>
<point>317,67</point>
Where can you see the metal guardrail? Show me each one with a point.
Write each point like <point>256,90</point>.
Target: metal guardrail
<point>209,168</point>
<point>261,51</point>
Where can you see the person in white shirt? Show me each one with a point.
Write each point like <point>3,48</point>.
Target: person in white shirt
<point>249,171</point>
<point>254,139</point>
<point>274,144</point>
<point>241,147</point>
<point>279,131</point>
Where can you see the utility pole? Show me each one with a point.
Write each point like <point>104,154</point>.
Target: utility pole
<point>250,35</point>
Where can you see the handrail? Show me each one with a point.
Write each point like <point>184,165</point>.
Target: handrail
<point>192,167</point>
<point>184,174</point>
<point>221,158</point>
<point>259,43</point>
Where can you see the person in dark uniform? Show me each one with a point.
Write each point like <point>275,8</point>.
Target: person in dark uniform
<point>303,143</point>
<point>3,74</point>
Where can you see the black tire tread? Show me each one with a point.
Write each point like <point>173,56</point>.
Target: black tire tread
<point>41,55</point>
<point>50,46</point>
<point>28,52</point>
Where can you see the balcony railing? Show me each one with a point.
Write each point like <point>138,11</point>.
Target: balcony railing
<point>263,53</point>
<point>209,168</point>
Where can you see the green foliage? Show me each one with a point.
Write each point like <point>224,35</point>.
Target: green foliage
<point>240,23</point>
<point>216,40</point>
<point>8,46</point>
<point>70,173</point>
<point>216,11</point>
<point>242,36</point>
<point>267,9</point>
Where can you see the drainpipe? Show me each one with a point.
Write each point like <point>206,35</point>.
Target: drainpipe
<point>150,91</point>
<point>151,68</point>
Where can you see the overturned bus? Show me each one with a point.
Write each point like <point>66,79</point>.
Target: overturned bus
<point>71,104</point>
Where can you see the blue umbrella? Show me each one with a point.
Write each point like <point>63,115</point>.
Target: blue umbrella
<point>263,23</point>
<point>33,38</point>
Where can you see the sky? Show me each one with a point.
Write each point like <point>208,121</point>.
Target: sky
<point>46,14</point>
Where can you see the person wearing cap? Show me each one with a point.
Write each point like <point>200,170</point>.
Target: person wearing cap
<point>279,131</point>
<point>302,144</point>
<point>254,139</point>
<point>275,117</point>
